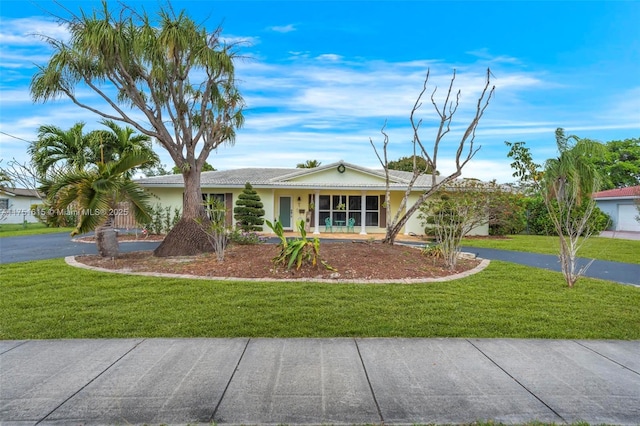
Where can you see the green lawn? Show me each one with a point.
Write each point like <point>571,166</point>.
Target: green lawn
<point>48,299</point>
<point>15,230</point>
<point>616,250</point>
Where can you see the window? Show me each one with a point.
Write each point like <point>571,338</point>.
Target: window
<point>343,207</point>
<point>372,206</point>
<point>4,203</point>
<point>209,199</point>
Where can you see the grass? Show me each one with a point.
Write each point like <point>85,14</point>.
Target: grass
<point>48,299</point>
<point>616,250</point>
<point>17,229</point>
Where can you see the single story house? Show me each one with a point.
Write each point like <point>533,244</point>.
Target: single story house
<point>334,193</point>
<point>621,205</point>
<point>15,205</point>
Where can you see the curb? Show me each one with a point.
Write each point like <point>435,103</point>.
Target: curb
<point>71,261</point>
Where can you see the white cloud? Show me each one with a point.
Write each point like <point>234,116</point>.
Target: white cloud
<point>29,31</point>
<point>329,57</point>
<point>283,28</point>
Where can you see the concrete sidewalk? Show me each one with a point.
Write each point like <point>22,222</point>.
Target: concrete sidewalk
<point>314,381</point>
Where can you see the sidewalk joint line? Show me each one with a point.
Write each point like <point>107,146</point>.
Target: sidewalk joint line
<point>518,382</point>
<point>15,347</point>
<point>606,357</point>
<point>224,392</point>
<point>90,381</point>
<point>366,374</point>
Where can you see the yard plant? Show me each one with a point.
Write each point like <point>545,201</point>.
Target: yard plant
<point>296,251</point>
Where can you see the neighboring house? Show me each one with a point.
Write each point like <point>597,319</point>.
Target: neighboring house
<point>621,205</point>
<point>15,205</point>
<point>338,192</point>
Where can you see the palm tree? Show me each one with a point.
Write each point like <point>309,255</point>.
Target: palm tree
<point>567,185</point>
<point>309,164</point>
<point>57,148</point>
<point>95,193</point>
<point>573,173</point>
<point>111,145</point>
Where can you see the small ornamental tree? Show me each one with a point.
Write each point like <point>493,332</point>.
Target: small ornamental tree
<point>249,210</point>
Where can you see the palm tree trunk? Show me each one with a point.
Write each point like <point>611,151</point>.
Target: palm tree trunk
<point>107,241</point>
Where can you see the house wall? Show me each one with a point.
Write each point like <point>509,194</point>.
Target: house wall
<point>271,197</point>
<point>612,208</point>
<point>19,209</point>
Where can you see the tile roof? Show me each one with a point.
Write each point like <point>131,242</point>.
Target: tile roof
<point>629,192</point>
<point>21,192</point>
<point>281,177</point>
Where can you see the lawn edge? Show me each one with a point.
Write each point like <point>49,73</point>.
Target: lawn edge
<point>71,261</point>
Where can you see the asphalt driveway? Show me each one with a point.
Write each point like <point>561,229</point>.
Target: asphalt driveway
<point>51,246</point>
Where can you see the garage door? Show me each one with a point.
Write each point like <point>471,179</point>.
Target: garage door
<point>627,218</point>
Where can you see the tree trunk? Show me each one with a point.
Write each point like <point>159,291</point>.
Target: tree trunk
<point>187,238</point>
<point>107,242</point>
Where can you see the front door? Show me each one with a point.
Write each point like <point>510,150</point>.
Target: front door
<point>285,212</point>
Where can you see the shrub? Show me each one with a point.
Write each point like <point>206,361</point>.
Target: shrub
<point>297,251</point>
<point>215,228</point>
<point>238,236</point>
<point>162,221</point>
<point>249,210</point>
<point>539,222</point>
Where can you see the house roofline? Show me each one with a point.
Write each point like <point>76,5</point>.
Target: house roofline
<point>314,170</point>
<point>289,186</point>
<point>627,197</point>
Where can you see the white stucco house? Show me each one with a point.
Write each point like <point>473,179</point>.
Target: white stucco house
<point>335,193</point>
<point>15,205</point>
<point>621,205</point>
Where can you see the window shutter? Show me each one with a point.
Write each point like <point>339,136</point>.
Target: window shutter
<point>228,204</point>
<point>313,215</point>
<point>383,213</point>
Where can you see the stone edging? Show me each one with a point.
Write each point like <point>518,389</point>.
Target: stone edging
<point>71,261</point>
<point>83,241</point>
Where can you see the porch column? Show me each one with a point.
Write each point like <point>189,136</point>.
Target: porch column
<point>363,213</point>
<point>316,212</point>
<point>274,208</point>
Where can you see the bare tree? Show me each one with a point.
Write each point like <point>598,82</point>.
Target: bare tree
<point>20,175</point>
<point>465,152</point>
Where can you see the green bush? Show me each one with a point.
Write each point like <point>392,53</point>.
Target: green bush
<point>539,222</point>
<point>162,221</point>
<point>508,214</point>
<point>249,210</point>
<point>240,237</point>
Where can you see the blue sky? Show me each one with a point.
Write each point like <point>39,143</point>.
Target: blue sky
<point>321,78</point>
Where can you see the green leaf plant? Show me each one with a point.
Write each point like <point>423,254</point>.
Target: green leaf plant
<point>297,251</point>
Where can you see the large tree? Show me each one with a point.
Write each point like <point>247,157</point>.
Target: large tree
<point>621,164</point>
<point>179,75</point>
<point>464,151</point>
<point>309,164</point>
<point>409,164</point>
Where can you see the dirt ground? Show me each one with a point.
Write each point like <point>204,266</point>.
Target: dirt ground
<point>351,259</point>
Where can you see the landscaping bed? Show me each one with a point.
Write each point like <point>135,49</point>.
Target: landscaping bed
<point>351,260</point>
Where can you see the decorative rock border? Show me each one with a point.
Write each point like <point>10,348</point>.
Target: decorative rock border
<point>71,261</point>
